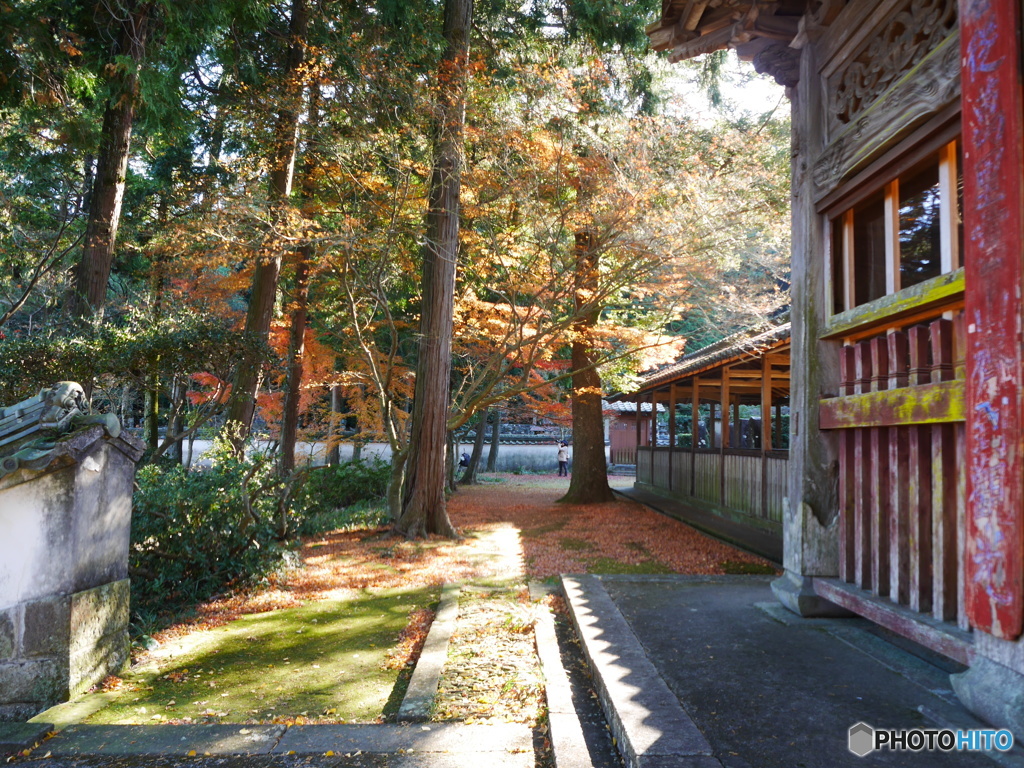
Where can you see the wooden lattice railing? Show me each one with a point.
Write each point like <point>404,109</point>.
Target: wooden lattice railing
<point>901,473</point>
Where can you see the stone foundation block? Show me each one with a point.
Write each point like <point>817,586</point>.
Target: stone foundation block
<point>39,681</point>
<point>994,693</point>
<point>797,594</point>
<point>8,634</point>
<point>98,642</point>
<point>45,627</point>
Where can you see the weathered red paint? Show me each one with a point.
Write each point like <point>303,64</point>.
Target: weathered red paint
<point>993,147</point>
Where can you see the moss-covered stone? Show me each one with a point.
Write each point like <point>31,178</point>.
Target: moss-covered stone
<point>46,627</point>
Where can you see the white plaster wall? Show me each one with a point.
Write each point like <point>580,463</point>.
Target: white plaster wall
<point>35,532</point>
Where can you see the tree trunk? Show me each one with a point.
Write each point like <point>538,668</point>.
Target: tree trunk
<point>300,313</point>
<point>268,266</point>
<point>396,483</point>
<point>296,351</point>
<point>589,483</point>
<point>178,394</point>
<point>492,454</point>
<point>423,503</point>
<point>151,424</point>
<point>93,270</point>
<point>469,476</point>
<point>334,428</point>
<point>451,466</point>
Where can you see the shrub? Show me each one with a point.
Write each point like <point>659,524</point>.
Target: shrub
<point>343,496</point>
<point>195,531</point>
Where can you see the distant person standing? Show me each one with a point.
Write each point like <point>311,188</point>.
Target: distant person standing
<point>563,460</point>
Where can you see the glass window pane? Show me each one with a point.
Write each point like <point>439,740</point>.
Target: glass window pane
<point>960,199</point>
<point>838,305</point>
<point>919,227</point>
<point>869,251</point>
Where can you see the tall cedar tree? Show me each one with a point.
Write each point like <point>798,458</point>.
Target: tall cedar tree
<point>93,269</point>
<point>589,483</point>
<point>300,308</point>
<point>268,267</point>
<point>423,502</point>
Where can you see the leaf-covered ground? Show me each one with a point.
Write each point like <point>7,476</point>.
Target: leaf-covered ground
<point>327,642</point>
<point>616,537</point>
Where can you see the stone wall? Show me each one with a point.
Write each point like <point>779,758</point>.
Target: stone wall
<point>64,592</point>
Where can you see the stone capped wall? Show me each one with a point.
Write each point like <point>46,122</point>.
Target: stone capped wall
<point>64,590</point>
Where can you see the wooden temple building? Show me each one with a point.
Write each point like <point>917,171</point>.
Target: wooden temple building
<point>714,430</point>
<point>905,469</point>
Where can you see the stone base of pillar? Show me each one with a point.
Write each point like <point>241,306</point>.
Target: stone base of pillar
<point>994,693</point>
<point>797,594</point>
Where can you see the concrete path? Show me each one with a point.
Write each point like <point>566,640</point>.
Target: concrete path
<point>711,672</point>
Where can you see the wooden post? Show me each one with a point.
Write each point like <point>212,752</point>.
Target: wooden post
<point>879,487</point>
<point>920,513</point>
<point>993,145</point>
<point>726,396</point>
<point>637,424</point>
<point>847,482</point>
<point>766,429</point>
<point>944,481</point>
<point>671,430</point>
<point>766,404</point>
<point>809,519</point>
<point>862,474</point>
<point>694,434</point>
<point>899,570</point>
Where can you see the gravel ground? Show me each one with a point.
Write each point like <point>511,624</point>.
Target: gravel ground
<point>492,673</point>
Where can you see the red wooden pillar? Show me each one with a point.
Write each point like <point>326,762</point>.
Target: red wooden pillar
<point>993,147</point>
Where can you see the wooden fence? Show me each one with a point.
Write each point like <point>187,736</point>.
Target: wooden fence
<point>901,484</point>
<point>751,483</point>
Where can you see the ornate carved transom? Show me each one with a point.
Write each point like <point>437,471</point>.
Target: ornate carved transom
<point>918,27</point>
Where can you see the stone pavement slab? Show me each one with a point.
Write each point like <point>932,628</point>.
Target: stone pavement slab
<point>484,742</point>
<point>767,690</point>
<point>165,739</point>
<point>437,745</point>
<point>363,760</point>
<point>15,737</point>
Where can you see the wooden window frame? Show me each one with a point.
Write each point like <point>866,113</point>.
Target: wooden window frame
<point>949,251</point>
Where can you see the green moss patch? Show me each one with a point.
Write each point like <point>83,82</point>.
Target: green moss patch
<point>733,567</point>
<point>612,566</point>
<point>323,661</point>
<point>575,545</point>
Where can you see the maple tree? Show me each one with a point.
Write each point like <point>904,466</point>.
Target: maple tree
<point>316,285</point>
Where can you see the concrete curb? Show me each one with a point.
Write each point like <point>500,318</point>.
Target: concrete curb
<point>14,737</point>
<point>419,697</point>
<point>175,740</point>
<point>651,728</point>
<point>508,745</point>
<point>487,742</point>
<point>568,744</point>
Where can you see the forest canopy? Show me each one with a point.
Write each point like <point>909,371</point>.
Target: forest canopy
<point>216,212</point>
